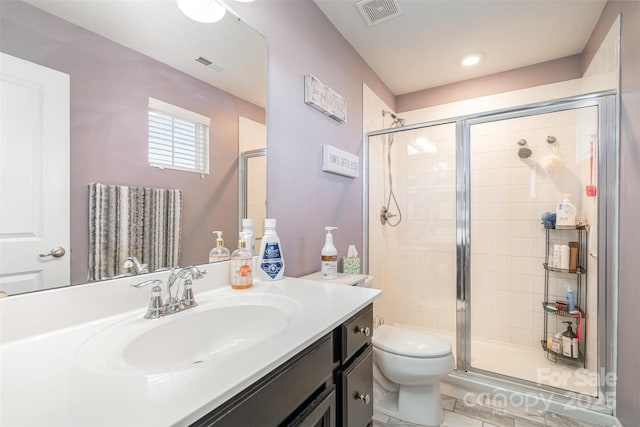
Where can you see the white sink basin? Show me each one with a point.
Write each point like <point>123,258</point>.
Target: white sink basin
<point>217,328</point>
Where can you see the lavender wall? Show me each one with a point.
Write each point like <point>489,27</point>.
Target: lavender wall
<point>628,392</point>
<point>534,75</point>
<point>301,41</point>
<point>303,199</point>
<point>110,87</point>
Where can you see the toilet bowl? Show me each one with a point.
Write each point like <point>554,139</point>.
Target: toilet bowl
<point>408,367</point>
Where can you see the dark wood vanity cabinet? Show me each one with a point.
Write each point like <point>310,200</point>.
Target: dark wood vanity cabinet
<point>354,375</point>
<point>328,384</point>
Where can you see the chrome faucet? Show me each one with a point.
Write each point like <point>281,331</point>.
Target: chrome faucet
<point>156,307</point>
<point>172,304</point>
<point>133,262</point>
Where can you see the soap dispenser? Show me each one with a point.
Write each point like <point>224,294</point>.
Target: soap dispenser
<point>219,252</point>
<point>569,342</point>
<point>329,256</point>
<point>241,271</point>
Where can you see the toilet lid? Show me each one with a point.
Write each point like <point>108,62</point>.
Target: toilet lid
<point>408,342</point>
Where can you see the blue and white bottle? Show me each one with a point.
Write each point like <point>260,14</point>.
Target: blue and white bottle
<point>270,259</point>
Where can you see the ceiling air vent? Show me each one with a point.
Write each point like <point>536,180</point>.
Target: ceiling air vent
<point>204,61</point>
<point>377,11</point>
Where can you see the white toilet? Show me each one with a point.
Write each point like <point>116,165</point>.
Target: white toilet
<point>408,366</point>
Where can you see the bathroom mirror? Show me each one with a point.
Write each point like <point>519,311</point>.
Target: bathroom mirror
<point>118,54</point>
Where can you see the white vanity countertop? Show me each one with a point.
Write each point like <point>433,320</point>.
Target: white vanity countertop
<point>43,383</point>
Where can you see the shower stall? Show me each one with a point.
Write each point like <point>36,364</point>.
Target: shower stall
<point>453,236</point>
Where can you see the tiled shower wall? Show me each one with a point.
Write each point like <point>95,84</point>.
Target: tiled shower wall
<point>508,196</point>
<point>419,254</point>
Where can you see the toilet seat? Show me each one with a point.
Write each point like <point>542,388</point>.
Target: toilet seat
<point>409,343</point>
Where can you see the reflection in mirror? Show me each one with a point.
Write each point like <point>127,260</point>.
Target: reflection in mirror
<point>253,188</point>
<point>102,62</point>
<point>252,167</point>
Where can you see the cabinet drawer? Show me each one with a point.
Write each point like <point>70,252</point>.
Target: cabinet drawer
<point>273,398</point>
<point>357,391</point>
<point>355,333</point>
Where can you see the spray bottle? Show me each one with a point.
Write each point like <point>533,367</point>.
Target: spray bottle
<point>329,256</point>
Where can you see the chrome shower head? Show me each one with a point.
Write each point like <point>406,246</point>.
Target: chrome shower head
<point>397,120</point>
<point>524,152</point>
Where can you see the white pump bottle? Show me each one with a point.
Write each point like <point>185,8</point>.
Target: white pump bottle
<point>329,256</point>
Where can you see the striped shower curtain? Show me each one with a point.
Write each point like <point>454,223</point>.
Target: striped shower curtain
<point>132,221</point>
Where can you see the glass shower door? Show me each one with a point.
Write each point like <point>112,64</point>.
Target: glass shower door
<point>520,168</point>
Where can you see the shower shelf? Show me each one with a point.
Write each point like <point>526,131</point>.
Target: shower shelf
<point>563,313</point>
<point>557,356</point>
<point>552,275</point>
<point>579,270</point>
<point>568,227</point>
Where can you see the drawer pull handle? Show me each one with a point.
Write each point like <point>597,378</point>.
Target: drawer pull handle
<point>366,331</point>
<point>366,398</point>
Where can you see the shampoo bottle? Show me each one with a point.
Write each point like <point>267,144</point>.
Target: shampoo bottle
<point>270,259</point>
<point>568,339</point>
<point>247,234</point>
<point>219,252</point>
<point>565,213</point>
<point>241,272</point>
<point>571,299</point>
<point>329,256</point>
<point>556,343</point>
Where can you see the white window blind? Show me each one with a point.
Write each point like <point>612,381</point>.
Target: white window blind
<point>178,138</point>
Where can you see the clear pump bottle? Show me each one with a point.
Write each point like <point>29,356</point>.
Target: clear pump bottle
<point>241,271</point>
<point>219,252</point>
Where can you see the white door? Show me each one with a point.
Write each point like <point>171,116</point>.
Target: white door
<point>34,176</point>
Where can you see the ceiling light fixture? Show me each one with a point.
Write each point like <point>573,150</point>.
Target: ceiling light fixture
<point>471,59</point>
<point>205,11</point>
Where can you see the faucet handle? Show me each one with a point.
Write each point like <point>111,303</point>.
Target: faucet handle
<point>188,299</point>
<point>154,282</point>
<point>156,307</point>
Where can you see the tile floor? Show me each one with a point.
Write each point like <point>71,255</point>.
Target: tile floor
<point>459,412</point>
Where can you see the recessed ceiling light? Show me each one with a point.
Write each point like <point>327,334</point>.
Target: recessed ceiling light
<point>471,59</point>
<point>205,11</point>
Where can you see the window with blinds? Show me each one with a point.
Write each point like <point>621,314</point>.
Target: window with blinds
<point>178,138</point>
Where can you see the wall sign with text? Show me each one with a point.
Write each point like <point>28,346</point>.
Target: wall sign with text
<point>324,99</point>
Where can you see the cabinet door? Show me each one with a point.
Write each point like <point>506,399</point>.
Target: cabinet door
<point>356,398</point>
<point>321,412</point>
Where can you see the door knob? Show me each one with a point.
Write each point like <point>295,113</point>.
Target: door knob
<point>366,331</point>
<point>365,398</point>
<point>55,252</point>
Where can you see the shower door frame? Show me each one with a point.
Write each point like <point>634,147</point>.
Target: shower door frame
<point>607,103</point>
